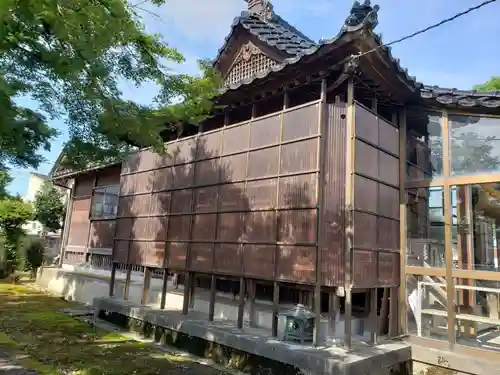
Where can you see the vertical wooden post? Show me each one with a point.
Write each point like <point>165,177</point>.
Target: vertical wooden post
<point>192,290</point>
<point>374,329</point>
<point>333,306</point>
<point>322,145</point>
<point>126,288</point>
<point>384,311</point>
<point>393,313</point>
<point>276,303</point>
<point>86,254</point>
<point>276,287</point>
<point>241,303</point>
<point>211,306</point>
<point>66,224</point>
<point>164,286</point>
<point>147,283</point>
<point>402,308</point>
<point>448,243</point>
<point>187,294</point>
<point>112,280</point>
<point>349,215</point>
<point>251,302</point>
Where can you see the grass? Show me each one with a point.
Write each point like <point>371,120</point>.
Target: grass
<point>37,336</point>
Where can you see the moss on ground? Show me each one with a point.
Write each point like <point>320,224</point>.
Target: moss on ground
<point>229,357</point>
<point>39,337</point>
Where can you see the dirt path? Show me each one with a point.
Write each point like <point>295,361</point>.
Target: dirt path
<point>8,367</point>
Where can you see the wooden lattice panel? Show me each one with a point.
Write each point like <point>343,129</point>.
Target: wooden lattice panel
<point>249,62</point>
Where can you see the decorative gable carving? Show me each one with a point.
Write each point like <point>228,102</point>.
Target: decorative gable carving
<point>249,61</point>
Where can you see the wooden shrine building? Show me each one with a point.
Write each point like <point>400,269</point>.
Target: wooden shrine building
<point>309,187</point>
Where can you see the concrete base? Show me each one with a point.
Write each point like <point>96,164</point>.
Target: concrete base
<point>389,357</point>
<point>84,287</point>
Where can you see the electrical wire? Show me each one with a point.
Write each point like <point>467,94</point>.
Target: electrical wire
<point>458,15</point>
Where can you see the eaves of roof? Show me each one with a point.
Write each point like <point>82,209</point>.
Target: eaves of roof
<point>462,98</point>
<point>275,32</point>
<point>315,49</point>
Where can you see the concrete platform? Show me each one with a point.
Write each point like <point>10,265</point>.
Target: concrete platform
<point>389,357</point>
<point>83,287</point>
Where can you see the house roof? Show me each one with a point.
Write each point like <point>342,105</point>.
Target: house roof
<point>278,33</point>
<point>463,98</point>
<point>362,16</point>
<point>271,29</point>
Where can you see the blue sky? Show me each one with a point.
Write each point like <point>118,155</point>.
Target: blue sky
<point>459,54</point>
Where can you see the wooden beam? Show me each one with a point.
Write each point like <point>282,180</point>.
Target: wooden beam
<point>448,242</point>
<point>393,312</point>
<point>164,286</point>
<point>241,303</point>
<point>112,280</point>
<point>402,308</point>
<point>146,285</point>
<point>321,165</point>
<point>128,276</point>
<point>185,302</point>
<point>276,303</point>
<point>251,302</point>
<point>374,322</point>
<point>384,311</point>
<point>192,290</point>
<point>349,217</point>
<point>211,306</point>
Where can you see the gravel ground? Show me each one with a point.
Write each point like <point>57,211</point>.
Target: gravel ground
<point>8,367</point>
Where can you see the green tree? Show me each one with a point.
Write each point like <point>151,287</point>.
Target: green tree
<point>492,84</point>
<point>5,180</point>
<point>13,214</point>
<point>33,251</point>
<point>70,57</point>
<point>49,207</point>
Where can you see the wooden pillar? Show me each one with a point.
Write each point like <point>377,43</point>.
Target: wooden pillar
<point>66,224</point>
<point>128,276</point>
<point>393,312</point>
<point>164,286</point>
<point>251,302</point>
<point>276,304</point>
<point>187,294</point>
<point>384,307</point>
<point>241,303</point>
<point>146,284</point>
<point>402,308</point>
<point>333,309</point>
<point>448,243</point>
<point>374,323</point>
<point>322,145</point>
<point>211,306</point>
<point>349,217</point>
<point>192,290</point>
<point>112,280</point>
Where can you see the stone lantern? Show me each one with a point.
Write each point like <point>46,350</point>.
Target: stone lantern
<point>297,324</point>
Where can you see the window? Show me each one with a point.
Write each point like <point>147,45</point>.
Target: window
<point>105,202</point>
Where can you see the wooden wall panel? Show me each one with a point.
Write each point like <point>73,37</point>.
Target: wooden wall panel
<point>376,201</point>
<point>229,197</point>
<point>333,213</point>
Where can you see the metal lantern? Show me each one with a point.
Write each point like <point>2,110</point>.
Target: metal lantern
<point>298,324</point>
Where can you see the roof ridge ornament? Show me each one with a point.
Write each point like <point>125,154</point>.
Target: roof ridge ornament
<point>262,8</point>
<point>362,15</point>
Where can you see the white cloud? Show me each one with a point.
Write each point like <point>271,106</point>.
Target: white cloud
<point>203,20</point>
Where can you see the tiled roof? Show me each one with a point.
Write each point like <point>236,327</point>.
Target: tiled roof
<point>274,31</point>
<point>362,16</point>
<point>278,33</point>
<point>464,98</point>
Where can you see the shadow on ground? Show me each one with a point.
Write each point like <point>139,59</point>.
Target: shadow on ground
<point>50,342</point>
